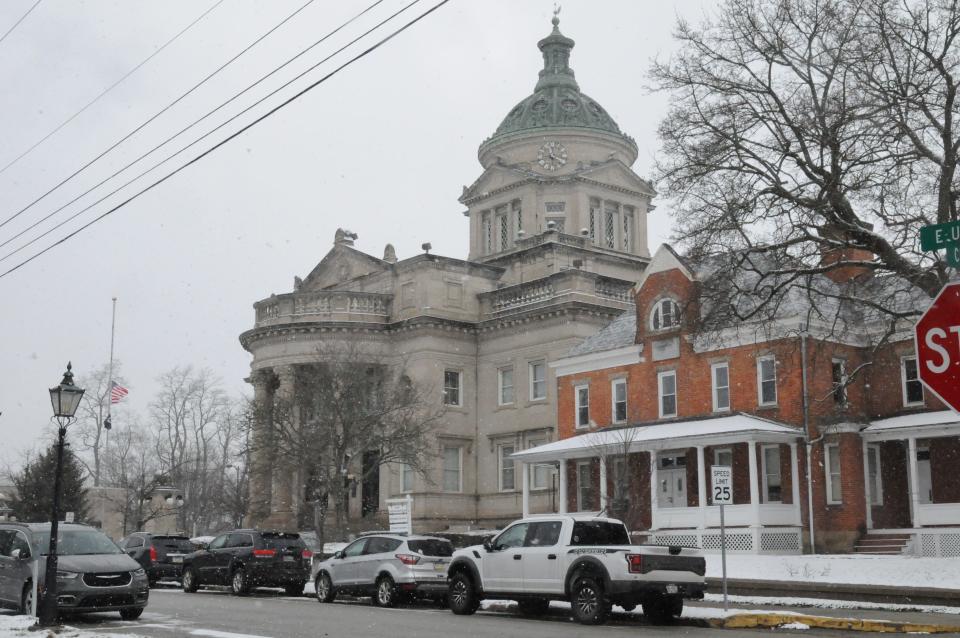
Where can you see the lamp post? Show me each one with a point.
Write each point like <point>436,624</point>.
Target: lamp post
<point>65,399</point>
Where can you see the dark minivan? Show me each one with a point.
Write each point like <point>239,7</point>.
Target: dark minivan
<point>246,559</point>
<point>161,555</point>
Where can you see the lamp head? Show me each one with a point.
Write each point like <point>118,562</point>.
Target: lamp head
<point>65,398</point>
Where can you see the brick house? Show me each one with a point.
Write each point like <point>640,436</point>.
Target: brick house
<point>647,406</point>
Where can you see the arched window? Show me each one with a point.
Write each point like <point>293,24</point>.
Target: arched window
<point>666,314</point>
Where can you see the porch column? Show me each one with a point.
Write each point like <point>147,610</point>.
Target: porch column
<point>526,489</point>
<point>867,487</point>
<point>795,482</point>
<point>653,490</point>
<point>563,487</point>
<point>603,485</point>
<point>754,488</point>
<point>914,482</point>
<point>702,486</point>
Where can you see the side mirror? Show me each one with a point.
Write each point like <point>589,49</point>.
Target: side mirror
<point>18,554</point>
<point>488,545</point>
<point>338,555</point>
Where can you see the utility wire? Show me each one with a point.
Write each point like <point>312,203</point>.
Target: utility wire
<point>108,89</point>
<point>139,128</point>
<point>183,130</point>
<point>17,23</point>
<point>232,136</point>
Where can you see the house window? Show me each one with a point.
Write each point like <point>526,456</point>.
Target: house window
<point>406,478</point>
<point>452,468</point>
<point>505,384</point>
<point>508,481</point>
<point>771,474</point>
<point>723,457</point>
<point>582,396</point>
<point>451,387</point>
<point>666,314</point>
<point>538,380</point>
<point>767,380</point>
<point>720,372</point>
<point>618,393</point>
<point>584,488</point>
<point>540,473</point>
<point>912,388</point>
<point>874,475</point>
<point>838,375</point>
<point>831,466</point>
<point>667,385</point>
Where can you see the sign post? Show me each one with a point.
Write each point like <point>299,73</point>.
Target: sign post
<point>400,514</point>
<point>723,495</point>
<point>937,335</point>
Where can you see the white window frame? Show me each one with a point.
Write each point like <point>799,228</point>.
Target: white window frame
<point>577,406</point>
<point>502,461</point>
<point>766,473</point>
<point>760,361</point>
<point>843,381</point>
<point>876,479</point>
<point>501,387</point>
<point>613,400</point>
<point>903,381</point>
<point>722,450</point>
<point>459,373</point>
<point>531,367</point>
<point>656,314</point>
<point>715,388</point>
<point>660,395</point>
<point>407,476</point>
<point>831,451</point>
<point>580,486</point>
<point>459,449</point>
<point>545,468</point>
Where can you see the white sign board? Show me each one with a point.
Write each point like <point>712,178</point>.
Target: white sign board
<point>400,514</point>
<point>722,485</point>
<point>68,518</point>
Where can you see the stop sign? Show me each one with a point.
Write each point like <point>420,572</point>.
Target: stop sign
<point>937,335</point>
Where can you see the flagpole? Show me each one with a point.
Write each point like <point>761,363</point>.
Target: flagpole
<point>113,323</point>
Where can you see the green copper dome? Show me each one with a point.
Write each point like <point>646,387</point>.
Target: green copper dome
<point>557,100</point>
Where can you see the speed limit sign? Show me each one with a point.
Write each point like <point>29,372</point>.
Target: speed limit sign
<point>722,485</point>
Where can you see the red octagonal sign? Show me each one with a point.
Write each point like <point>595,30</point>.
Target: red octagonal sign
<point>937,335</point>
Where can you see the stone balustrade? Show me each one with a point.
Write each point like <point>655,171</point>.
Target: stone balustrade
<point>567,285</point>
<point>324,305</point>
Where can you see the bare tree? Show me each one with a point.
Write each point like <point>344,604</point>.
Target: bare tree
<point>91,430</point>
<point>614,447</point>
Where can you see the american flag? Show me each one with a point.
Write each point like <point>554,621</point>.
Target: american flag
<point>117,392</point>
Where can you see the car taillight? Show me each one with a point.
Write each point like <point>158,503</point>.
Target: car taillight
<point>153,554</point>
<point>635,563</point>
<point>264,553</point>
<point>408,559</point>
<point>306,554</point>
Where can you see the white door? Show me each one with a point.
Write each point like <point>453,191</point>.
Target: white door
<point>503,567</point>
<point>542,554</point>
<point>673,488</point>
<point>924,480</point>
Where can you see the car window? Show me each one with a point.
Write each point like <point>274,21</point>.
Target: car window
<point>218,542</point>
<point>20,542</point>
<point>239,540</point>
<point>513,536</point>
<point>543,534</point>
<point>174,543</point>
<point>381,545</point>
<point>6,539</point>
<point>355,548</point>
<point>282,540</point>
<point>431,547</point>
<point>599,533</point>
<point>134,541</point>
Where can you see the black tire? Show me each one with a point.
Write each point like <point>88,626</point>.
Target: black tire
<point>131,613</point>
<point>462,596</point>
<point>26,599</point>
<point>239,583</point>
<point>533,606</point>
<point>325,591</point>
<point>189,580</point>
<point>385,594</point>
<point>661,609</point>
<point>589,602</point>
<point>295,589</point>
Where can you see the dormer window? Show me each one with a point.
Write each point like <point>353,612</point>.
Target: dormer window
<point>666,314</point>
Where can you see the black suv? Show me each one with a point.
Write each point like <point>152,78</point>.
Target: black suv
<point>161,555</point>
<point>246,559</point>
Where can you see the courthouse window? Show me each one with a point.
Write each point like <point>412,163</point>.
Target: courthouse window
<point>538,381</point>
<point>452,468</point>
<point>505,378</point>
<point>508,481</point>
<point>451,387</point>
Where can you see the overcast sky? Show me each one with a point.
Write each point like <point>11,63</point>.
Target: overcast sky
<point>382,149</point>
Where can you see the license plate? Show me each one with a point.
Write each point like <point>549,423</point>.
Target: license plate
<point>672,589</point>
<point>440,567</point>
<point>178,559</point>
<point>288,559</point>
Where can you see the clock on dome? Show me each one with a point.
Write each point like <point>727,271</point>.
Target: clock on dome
<point>552,155</point>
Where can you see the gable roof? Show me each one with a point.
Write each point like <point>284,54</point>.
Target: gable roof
<point>358,264</point>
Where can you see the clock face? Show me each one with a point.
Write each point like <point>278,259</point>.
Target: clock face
<point>552,156</point>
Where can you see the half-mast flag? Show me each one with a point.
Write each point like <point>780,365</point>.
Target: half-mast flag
<point>117,392</point>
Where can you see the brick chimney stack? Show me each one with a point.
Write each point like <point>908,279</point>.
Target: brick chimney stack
<point>831,255</point>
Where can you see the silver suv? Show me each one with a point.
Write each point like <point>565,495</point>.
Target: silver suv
<point>93,574</point>
<point>387,567</point>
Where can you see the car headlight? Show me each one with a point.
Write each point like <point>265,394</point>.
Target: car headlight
<point>139,572</point>
<point>67,575</point>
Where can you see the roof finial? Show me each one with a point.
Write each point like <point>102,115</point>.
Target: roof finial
<point>556,15</point>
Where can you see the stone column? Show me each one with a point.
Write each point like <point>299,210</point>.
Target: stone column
<point>702,486</point>
<point>281,502</point>
<point>754,484</point>
<point>653,490</point>
<point>525,482</point>
<point>603,486</point>
<point>261,449</point>
<point>914,482</point>
<point>867,487</point>
<point>563,487</point>
<point>795,483</point>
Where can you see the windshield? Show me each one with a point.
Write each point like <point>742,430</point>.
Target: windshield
<point>599,533</point>
<point>73,542</point>
<point>431,547</point>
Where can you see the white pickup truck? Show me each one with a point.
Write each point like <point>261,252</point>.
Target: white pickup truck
<point>585,559</point>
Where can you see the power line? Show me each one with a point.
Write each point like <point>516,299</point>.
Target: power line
<point>176,135</point>
<point>138,129</point>
<point>17,23</point>
<point>231,136</point>
<point>109,88</point>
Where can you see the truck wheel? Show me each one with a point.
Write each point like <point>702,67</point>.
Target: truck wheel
<point>661,609</point>
<point>462,597</point>
<point>590,604</point>
<point>533,606</point>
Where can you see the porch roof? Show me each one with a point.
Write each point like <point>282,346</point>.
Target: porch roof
<point>916,425</point>
<point>735,428</point>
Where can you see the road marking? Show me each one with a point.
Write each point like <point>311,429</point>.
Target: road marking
<point>213,633</point>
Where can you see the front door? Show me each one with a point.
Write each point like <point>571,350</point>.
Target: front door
<point>503,567</point>
<point>924,480</point>
<point>672,478</point>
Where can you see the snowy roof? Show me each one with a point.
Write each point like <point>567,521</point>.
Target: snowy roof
<point>915,420</point>
<point>657,436</point>
<point>619,333</point>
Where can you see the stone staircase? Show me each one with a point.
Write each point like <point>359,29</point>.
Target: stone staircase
<point>880,543</point>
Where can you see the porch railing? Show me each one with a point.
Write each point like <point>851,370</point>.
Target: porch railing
<point>735,515</point>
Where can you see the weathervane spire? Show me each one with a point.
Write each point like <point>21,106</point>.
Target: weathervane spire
<point>556,15</point>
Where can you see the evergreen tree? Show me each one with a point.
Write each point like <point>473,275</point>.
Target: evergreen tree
<point>33,502</point>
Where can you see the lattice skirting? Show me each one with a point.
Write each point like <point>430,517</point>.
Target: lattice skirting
<point>945,543</point>
<point>767,540</point>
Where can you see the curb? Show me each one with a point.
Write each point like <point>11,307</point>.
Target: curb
<point>750,621</point>
<point>840,591</point>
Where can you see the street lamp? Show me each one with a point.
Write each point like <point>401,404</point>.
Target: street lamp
<point>65,399</point>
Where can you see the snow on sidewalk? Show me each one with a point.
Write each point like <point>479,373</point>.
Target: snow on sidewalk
<point>16,626</point>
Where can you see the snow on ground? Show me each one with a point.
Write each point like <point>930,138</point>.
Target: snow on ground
<point>790,601</point>
<point>14,626</point>
<point>898,571</point>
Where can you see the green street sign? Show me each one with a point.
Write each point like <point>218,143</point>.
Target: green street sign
<point>953,255</point>
<point>939,235</point>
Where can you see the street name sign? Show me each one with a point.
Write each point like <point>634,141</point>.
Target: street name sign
<point>937,336</point>
<point>939,235</point>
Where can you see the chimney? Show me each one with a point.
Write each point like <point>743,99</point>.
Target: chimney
<point>833,254</point>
